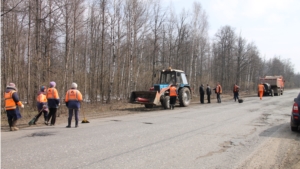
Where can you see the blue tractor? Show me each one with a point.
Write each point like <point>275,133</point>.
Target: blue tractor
<point>159,93</point>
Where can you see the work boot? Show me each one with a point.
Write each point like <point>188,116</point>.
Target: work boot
<point>14,128</point>
<point>10,125</point>
<point>69,124</point>
<point>76,123</point>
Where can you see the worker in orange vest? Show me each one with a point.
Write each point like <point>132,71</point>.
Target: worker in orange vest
<point>173,96</point>
<point>219,92</point>
<point>201,92</point>
<point>208,93</point>
<point>11,106</point>
<point>42,105</point>
<point>53,103</point>
<point>236,89</point>
<point>261,89</point>
<point>73,99</point>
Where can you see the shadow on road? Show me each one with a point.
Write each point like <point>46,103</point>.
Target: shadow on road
<point>281,131</point>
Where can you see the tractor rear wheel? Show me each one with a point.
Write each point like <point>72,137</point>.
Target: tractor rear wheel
<point>166,102</point>
<point>184,97</point>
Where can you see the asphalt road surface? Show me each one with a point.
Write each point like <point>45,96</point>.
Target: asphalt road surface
<point>253,134</point>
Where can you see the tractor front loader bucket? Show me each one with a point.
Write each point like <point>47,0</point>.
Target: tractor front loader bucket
<point>145,97</point>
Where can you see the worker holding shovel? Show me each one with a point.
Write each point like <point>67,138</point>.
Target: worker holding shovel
<point>72,100</point>
<point>42,105</point>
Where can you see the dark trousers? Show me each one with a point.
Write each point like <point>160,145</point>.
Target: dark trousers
<point>201,98</point>
<point>219,97</point>
<point>52,115</point>
<point>236,96</point>
<point>76,113</point>
<point>12,116</point>
<point>172,100</point>
<point>208,98</point>
<point>40,113</point>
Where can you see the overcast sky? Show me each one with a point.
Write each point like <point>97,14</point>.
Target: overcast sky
<point>273,25</point>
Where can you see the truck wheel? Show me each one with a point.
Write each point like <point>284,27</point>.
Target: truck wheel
<point>294,128</point>
<point>166,102</point>
<point>184,97</point>
<point>149,105</point>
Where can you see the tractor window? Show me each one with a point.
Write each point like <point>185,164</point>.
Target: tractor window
<point>167,78</point>
<point>183,78</point>
<point>178,79</point>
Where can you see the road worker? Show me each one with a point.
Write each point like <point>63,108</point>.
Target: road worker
<point>73,99</point>
<point>42,106</point>
<point>236,89</point>
<point>201,92</point>
<point>173,96</point>
<point>208,93</point>
<point>261,89</point>
<point>12,104</point>
<point>53,103</point>
<point>219,92</point>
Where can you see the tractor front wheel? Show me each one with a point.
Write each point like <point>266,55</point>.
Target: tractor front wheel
<point>184,97</point>
<point>166,102</point>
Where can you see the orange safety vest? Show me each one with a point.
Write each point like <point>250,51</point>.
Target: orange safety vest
<point>235,88</point>
<point>173,91</point>
<point>10,104</point>
<point>52,93</point>
<point>219,89</point>
<point>260,87</point>
<point>41,98</point>
<point>73,95</point>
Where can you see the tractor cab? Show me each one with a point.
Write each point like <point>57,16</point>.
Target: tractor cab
<point>171,76</point>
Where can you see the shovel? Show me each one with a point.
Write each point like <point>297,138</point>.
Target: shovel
<point>32,121</point>
<point>84,119</point>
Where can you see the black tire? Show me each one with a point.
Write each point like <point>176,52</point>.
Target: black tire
<point>162,99</point>
<point>149,105</point>
<point>184,97</point>
<point>272,93</point>
<point>166,102</point>
<point>294,128</point>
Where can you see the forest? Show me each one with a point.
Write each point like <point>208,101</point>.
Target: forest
<point>112,47</point>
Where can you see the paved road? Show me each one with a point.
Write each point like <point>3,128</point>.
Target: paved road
<point>254,134</point>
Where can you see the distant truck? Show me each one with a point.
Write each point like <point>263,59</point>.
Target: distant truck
<point>274,85</point>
